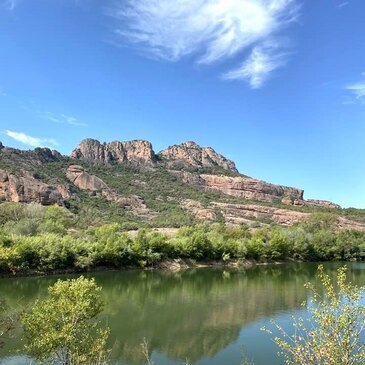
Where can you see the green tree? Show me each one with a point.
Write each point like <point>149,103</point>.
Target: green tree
<point>62,329</point>
<point>333,333</point>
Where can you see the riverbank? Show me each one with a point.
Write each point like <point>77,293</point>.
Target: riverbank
<point>108,247</point>
<point>172,265</point>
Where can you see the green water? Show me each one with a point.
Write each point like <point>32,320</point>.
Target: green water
<point>206,315</point>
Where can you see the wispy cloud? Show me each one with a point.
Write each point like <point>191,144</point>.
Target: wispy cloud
<point>31,141</point>
<point>62,118</point>
<point>212,30</point>
<point>259,65</point>
<point>357,91</point>
<point>342,5</point>
<point>10,4</point>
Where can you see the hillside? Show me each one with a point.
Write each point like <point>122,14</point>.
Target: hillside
<point>128,183</point>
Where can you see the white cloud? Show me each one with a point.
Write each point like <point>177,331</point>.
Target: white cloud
<point>62,119</point>
<point>10,4</point>
<point>257,68</point>
<point>342,5</point>
<point>31,141</point>
<point>358,92</point>
<point>213,30</point>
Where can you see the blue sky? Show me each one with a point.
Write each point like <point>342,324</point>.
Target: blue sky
<point>276,85</point>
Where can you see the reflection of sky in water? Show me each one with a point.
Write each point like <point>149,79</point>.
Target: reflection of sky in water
<point>209,317</point>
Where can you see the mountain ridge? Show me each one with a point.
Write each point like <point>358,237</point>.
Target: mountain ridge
<point>185,180</point>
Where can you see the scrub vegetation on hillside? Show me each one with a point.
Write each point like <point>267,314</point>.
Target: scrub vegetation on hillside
<point>34,238</point>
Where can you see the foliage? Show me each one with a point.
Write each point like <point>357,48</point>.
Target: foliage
<point>62,329</point>
<point>333,333</point>
<point>6,321</point>
<point>56,247</point>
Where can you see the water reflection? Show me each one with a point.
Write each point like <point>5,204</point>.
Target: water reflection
<point>194,314</point>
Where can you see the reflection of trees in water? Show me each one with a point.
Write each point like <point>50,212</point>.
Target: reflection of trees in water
<point>189,314</point>
<point>196,313</point>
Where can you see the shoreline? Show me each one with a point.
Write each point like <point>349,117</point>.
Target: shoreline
<point>172,265</point>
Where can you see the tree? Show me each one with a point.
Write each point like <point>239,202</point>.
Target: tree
<point>333,333</point>
<point>62,329</point>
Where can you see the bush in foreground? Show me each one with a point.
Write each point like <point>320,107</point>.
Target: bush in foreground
<point>63,329</point>
<point>333,334</point>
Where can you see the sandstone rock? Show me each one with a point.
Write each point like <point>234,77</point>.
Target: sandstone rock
<point>199,210</point>
<point>46,154</point>
<point>233,213</point>
<point>344,223</point>
<point>27,189</point>
<point>64,190</point>
<point>244,187</point>
<point>84,180</point>
<point>321,203</point>
<point>191,154</point>
<point>136,152</point>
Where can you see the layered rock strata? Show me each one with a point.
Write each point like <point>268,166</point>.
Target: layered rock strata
<point>244,187</point>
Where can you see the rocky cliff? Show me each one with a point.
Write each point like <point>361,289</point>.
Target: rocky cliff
<point>91,183</point>
<point>25,188</point>
<point>244,187</point>
<point>136,152</point>
<point>181,180</point>
<point>191,154</point>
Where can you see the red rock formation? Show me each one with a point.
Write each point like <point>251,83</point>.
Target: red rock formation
<point>240,213</point>
<point>136,152</point>
<point>244,187</point>
<point>321,203</point>
<point>191,154</point>
<point>27,189</point>
<point>84,180</point>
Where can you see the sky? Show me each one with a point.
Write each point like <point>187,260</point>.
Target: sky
<point>278,86</point>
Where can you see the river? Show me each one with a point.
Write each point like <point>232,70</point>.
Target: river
<point>205,316</point>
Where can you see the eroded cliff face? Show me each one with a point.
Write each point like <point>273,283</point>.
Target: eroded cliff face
<point>40,176</point>
<point>191,154</point>
<point>244,187</point>
<point>321,203</point>
<point>246,213</point>
<point>136,152</point>
<point>28,189</point>
<point>85,181</point>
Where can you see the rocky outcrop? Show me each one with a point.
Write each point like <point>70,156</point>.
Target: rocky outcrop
<point>321,203</point>
<point>46,154</point>
<point>27,189</point>
<point>253,189</point>
<point>244,187</point>
<point>136,152</point>
<point>85,181</point>
<point>199,211</point>
<point>191,154</point>
<point>240,213</point>
<point>252,213</point>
